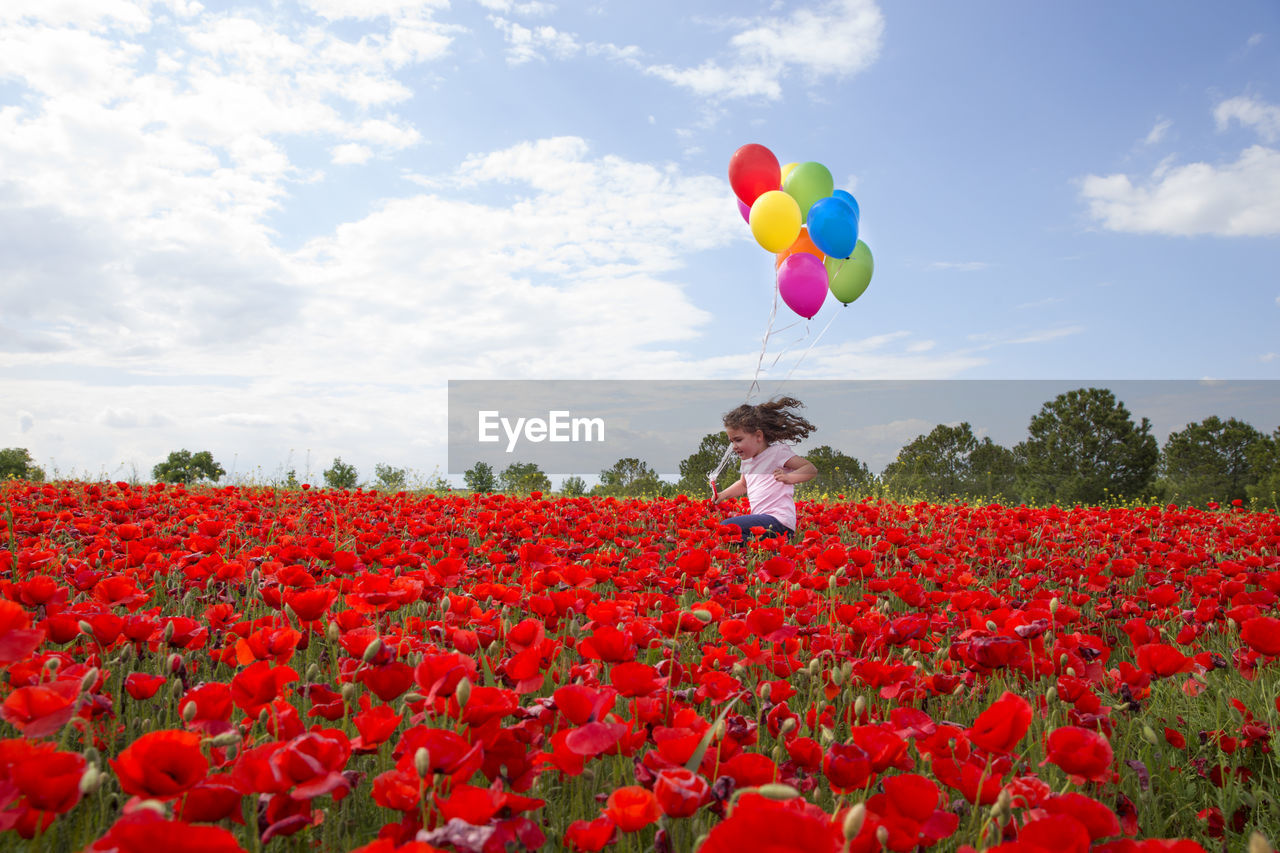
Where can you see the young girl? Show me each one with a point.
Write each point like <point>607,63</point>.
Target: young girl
<point>770,470</point>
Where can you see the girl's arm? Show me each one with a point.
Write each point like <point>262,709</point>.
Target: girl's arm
<point>737,490</point>
<point>795,470</point>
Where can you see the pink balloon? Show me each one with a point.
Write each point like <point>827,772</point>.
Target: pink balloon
<point>802,283</point>
<point>745,210</point>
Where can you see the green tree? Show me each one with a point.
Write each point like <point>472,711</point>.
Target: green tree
<point>993,473</point>
<point>480,478</point>
<point>341,475</point>
<point>523,478</point>
<point>389,479</point>
<point>16,464</point>
<point>934,466</point>
<point>697,467</point>
<point>1265,458</point>
<point>573,486</point>
<point>630,477</point>
<point>838,474</point>
<point>1083,447</point>
<point>1212,460</point>
<point>183,466</point>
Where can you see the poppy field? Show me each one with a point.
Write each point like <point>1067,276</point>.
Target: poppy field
<point>221,669</point>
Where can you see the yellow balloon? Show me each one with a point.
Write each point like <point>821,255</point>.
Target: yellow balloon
<point>786,170</point>
<point>775,221</point>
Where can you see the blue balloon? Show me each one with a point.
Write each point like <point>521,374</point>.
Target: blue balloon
<point>850,200</point>
<point>833,227</point>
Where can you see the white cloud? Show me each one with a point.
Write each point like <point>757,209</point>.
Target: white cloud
<point>836,39</point>
<point>1268,357</point>
<point>1158,131</point>
<point>1264,118</point>
<point>130,419</point>
<point>525,44</point>
<point>26,421</point>
<point>1233,199</point>
<point>350,153</point>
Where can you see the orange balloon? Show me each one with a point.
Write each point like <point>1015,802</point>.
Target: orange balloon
<point>802,244</point>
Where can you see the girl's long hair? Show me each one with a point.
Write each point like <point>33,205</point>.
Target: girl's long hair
<point>771,418</point>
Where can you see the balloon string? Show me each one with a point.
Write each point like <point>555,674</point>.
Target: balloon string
<point>764,346</point>
<point>812,345</point>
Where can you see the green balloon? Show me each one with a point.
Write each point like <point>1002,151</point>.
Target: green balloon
<point>808,183</point>
<point>849,278</point>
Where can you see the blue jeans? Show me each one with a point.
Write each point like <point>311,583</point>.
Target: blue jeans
<point>772,527</point>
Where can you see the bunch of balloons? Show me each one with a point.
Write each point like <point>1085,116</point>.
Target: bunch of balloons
<point>796,212</point>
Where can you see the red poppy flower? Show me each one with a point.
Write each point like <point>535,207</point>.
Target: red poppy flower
<point>1080,752</point>
<point>758,823</point>
<point>999,728</point>
<point>680,793</point>
<point>590,836</point>
<point>142,686</point>
<point>18,640</point>
<point>632,808</point>
<point>1262,634</point>
<point>40,709</point>
<point>144,831</point>
<point>49,779</point>
<point>162,764</point>
<point>257,685</point>
<point>1161,659</point>
<point>847,767</point>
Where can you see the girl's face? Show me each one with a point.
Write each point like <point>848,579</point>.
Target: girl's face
<point>745,444</point>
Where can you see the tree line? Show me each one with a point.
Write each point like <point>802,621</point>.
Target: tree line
<point>1081,447</point>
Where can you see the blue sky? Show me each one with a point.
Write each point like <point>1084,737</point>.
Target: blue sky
<point>274,230</point>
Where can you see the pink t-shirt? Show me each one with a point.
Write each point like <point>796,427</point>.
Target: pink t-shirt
<point>766,495</point>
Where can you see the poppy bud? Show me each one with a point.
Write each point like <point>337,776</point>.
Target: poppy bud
<point>788,726</point>
<point>333,632</point>
<point>831,583</point>
<point>720,730</point>
<point>371,650</point>
<point>702,615</point>
<point>1004,806</point>
<point>412,696</point>
<point>1051,695</point>
<point>313,672</point>
<point>169,628</point>
<point>882,835</point>
<point>837,677</point>
<point>992,626</point>
<point>91,780</point>
<point>264,717</point>
<point>92,756</point>
<point>853,821</point>
<point>86,628</point>
<point>225,739</point>
<point>87,681</point>
<point>151,805</point>
<point>1053,604</point>
<point>189,711</point>
<point>463,692</point>
<point>52,665</point>
<point>766,690</point>
<point>779,753</point>
<point>1149,735</point>
<point>1259,844</point>
<point>176,663</point>
<point>777,791</point>
<point>860,706</point>
<point>291,614</point>
<point>349,693</point>
<point>422,762</point>
<point>1071,671</point>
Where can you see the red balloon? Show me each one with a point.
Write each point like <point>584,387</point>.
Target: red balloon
<point>753,170</point>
